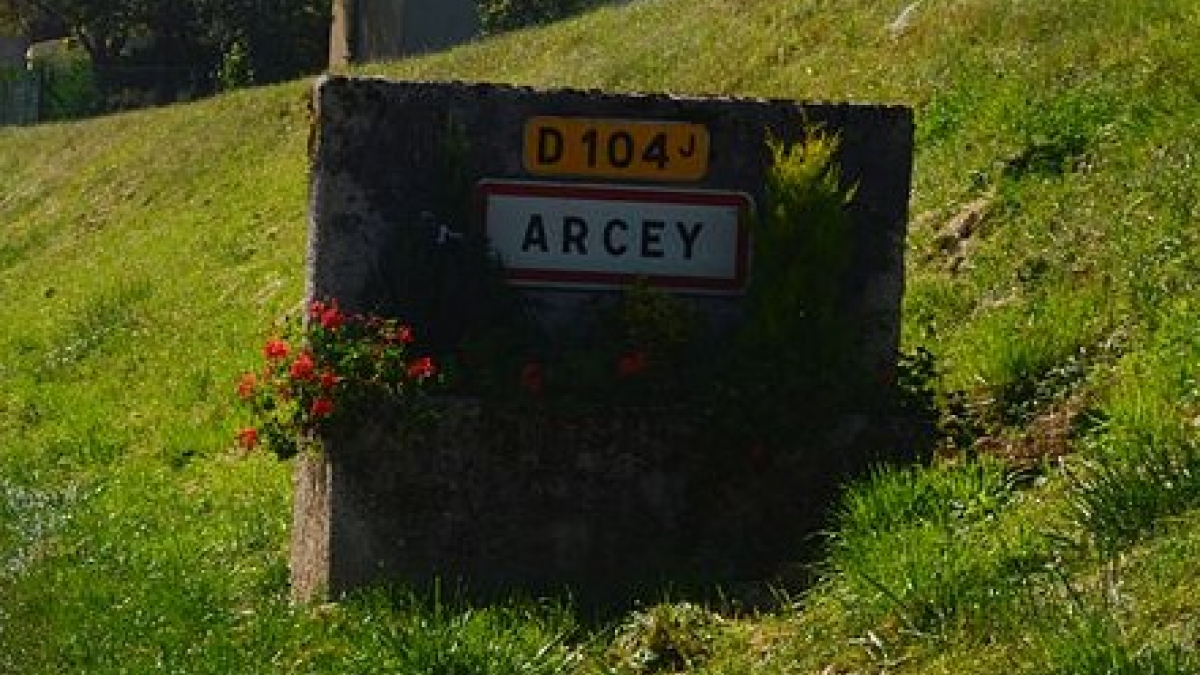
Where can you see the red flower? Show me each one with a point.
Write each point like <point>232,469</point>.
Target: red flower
<point>322,407</point>
<point>247,438</point>
<point>247,386</point>
<point>404,334</point>
<point>303,368</point>
<point>532,380</point>
<point>276,349</point>
<point>631,364</point>
<point>329,379</point>
<point>315,309</point>
<point>331,317</point>
<point>421,368</point>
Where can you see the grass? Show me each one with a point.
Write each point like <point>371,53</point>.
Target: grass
<point>144,256</point>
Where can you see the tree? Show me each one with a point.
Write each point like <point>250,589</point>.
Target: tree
<point>271,39</point>
<point>279,38</point>
<point>102,27</point>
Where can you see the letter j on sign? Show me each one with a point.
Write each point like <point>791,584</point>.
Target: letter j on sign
<point>626,149</point>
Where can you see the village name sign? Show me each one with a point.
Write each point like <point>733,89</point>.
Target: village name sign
<point>574,235</point>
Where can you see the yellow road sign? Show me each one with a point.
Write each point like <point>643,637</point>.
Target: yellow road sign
<point>633,149</point>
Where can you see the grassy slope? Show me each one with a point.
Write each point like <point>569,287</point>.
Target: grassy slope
<point>142,257</point>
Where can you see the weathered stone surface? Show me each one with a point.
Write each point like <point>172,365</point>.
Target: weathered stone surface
<point>600,504</point>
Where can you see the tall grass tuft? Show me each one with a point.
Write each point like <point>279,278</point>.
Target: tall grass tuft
<point>1117,498</point>
<point>1144,460</point>
<point>916,551</point>
<point>1093,644</point>
<point>436,637</point>
<point>895,498</point>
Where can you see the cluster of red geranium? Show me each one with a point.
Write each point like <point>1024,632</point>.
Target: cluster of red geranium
<point>341,359</point>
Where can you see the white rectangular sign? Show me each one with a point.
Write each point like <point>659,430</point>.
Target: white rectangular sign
<point>562,234</point>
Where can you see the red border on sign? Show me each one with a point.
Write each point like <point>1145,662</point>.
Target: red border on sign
<point>584,279</point>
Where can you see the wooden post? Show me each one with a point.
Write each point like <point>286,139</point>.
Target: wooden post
<point>375,30</point>
<point>341,34</point>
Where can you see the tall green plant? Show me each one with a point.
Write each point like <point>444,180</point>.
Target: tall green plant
<point>801,251</point>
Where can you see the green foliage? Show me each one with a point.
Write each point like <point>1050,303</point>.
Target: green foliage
<point>794,341</point>
<point>165,48</point>
<point>941,416</point>
<point>1011,381</point>
<point>99,324</point>
<point>1060,128</point>
<point>1144,447</point>
<point>498,16</point>
<point>235,69</point>
<point>1117,500</point>
<point>1119,497</point>
<point>801,252</point>
<point>656,322</point>
<point>263,41</point>
<point>69,86</point>
<point>939,585</point>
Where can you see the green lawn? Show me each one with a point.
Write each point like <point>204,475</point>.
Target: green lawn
<point>144,256</point>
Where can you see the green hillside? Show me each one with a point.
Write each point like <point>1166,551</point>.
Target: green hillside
<point>1053,295</point>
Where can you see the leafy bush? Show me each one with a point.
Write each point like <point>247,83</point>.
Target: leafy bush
<point>69,89</point>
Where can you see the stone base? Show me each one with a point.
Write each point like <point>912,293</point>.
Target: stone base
<point>602,504</point>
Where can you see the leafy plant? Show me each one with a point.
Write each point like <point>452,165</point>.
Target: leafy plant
<point>235,69</point>
<point>943,416</point>
<point>69,86</point>
<point>321,373</point>
<point>794,342</point>
<point>801,251</point>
